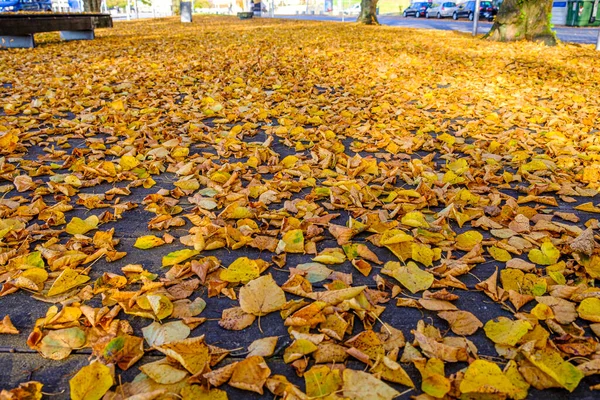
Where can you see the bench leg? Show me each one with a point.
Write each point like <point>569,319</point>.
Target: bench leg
<point>21,41</point>
<point>77,35</point>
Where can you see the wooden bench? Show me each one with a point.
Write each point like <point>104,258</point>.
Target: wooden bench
<point>17,30</point>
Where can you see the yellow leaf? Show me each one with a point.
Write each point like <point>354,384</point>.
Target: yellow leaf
<point>194,392</point>
<point>263,347</point>
<point>468,240</point>
<point>561,371</point>
<point>422,254</point>
<point>505,331</point>
<point>161,305</point>
<point>589,309</point>
<point>148,242</point>
<point>291,242</point>
<point>242,270</point>
<point>6,326</point>
<point>250,374</point>
<point>67,280</point>
<point>394,236</point>
<point>588,207</point>
<point>330,256</point>
<point>486,377</point>
<point>359,385</point>
<point>91,382</point>
<point>298,349</point>
<point>546,255</point>
<point>415,219</point>
<point>178,256</point>
<point>163,372</point>
<point>461,323</point>
<point>191,353</point>
<point>499,254</point>
<point>261,296</point>
<point>410,276</point>
<point>128,163</point>
<point>58,344</point>
<point>78,226</point>
<point>322,381</point>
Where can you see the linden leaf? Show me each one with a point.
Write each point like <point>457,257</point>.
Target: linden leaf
<point>322,381</point>
<point>78,226</point>
<point>330,256</point>
<point>468,240</point>
<point>422,254</point>
<point>486,377</point>
<point>163,372</point>
<point>261,296</point>
<point>414,219</point>
<point>242,270</point>
<point>178,256</point>
<point>148,242</point>
<point>58,344</point>
<point>552,364</point>
<point>263,347</point>
<point>91,382</point>
<point>157,334</point>
<point>128,162</point>
<point>191,353</point>
<point>589,309</point>
<point>161,305</point>
<point>546,255</point>
<point>412,277</point>
<point>291,242</point>
<point>67,280</point>
<point>6,326</point>
<point>461,323</point>
<point>359,385</point>
<point>505,331</point>
<point>499,254</point>
<point>250,374</point>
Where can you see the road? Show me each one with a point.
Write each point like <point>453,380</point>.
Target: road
<point>564,33</point>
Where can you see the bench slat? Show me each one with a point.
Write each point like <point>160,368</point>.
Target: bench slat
<point>25,24</point>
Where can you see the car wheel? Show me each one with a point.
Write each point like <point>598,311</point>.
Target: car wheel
<point>455,16</point>
<point>470,16</point>
<point>404,14</point>
<point>417,14</point>
<point>427,15</point>
<point>439,16</point>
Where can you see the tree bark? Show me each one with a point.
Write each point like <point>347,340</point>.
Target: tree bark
<point>523,20</point>
<point>368,12</point>
<point>92,5</point>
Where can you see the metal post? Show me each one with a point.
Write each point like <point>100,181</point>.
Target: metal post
<point>137,10</point>
<point>598,41</point>
<point>128,10</point>
<point>476,17</point>
<point>342,1</point>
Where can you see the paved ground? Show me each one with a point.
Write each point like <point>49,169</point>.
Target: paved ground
<point>20,363</point>
<point>564,33</point>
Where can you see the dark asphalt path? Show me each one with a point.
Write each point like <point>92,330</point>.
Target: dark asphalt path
<point>564,33</point>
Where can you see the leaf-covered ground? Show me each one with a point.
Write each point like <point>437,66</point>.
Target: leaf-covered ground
<point>259,208</point>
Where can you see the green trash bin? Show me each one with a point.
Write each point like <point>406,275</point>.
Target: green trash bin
<point>579,13</point>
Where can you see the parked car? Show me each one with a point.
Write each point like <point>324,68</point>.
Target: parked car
<point>486,10</point>
<point>441,10</point>
<point>417,10</point>
<point>25,5</point>
<point>354,10</point>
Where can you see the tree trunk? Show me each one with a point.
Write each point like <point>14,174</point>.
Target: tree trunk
<point>368,12</point>
<point>92,5</point>
<point>523,20</point>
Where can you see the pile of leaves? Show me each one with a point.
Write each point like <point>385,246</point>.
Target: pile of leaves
<point>305,209</point>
